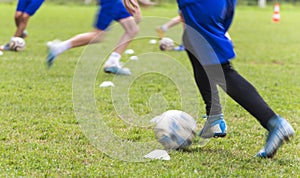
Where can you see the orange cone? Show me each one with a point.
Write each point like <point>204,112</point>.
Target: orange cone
<point>276,14</point>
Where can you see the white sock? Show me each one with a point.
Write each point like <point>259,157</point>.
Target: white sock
<point>61,47</point>
<point>113,60</point>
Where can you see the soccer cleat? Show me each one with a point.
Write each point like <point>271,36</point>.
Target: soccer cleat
<point>50,59</point>
<point>5,47</point>
<point>117,70</point>
<point>179,48</point>
<point>24,34</point>
<point>215,126</point>
<point>160,32</point>
<point>279,131</point>
<point>51,56</point>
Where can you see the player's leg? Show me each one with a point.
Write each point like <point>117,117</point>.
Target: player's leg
<point>102,22</point>
<point>22,24</point>
<point>18,16</point>
<point>21,6</point>
<point>200,42</point>
<point>215,126</point>
<point>161,30</point>
<point>247,96</point>
<point>55,47</point>
<point>239,89</point>
<point>24,11</point>
<point>83,39</point>
<point>131,30</point>
<point>112,65</point>
<point>235,85</point>
<point>21,19</point>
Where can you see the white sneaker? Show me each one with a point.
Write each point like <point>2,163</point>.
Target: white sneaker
<point>51,52</point>
<point>5,47</point>
<point>117,70</point>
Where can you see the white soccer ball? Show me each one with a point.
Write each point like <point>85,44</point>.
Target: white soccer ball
<point>17,44</point>
<point>175,129</point>
<point>166,44</point>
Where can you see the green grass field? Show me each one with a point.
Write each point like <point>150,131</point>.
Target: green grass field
<point>45,133</point>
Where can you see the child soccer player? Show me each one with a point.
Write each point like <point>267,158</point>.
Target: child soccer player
<point>25,10</point>
<point>109,11</point>
<point>161,30</point>
<point>210,53</point>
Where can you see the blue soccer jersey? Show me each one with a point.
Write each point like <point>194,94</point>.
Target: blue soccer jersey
<point>182,3</point>
<point>29,6</point>
<point>207,21</point>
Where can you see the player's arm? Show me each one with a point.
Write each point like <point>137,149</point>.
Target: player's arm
<point>147,3</point>
<point>133,8</point>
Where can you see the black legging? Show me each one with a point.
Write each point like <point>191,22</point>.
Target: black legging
<point>237,87</point>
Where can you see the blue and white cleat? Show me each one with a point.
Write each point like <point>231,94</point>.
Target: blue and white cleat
<point>51,55</point>
<point>5,47</point>
<point>24,34</point>
<point>179,48</point>
<point>279,131</point>
<point>215,126</point>
<point>50,59</point>
<point>117,70</point>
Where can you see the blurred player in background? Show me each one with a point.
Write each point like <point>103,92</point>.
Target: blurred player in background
<point>109,10</point>
<point>210,53</point>
<point>25,10</point>
<point>161,30</point>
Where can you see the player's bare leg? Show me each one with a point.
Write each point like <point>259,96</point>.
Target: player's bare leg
<point>21,20</point>
<point>112,65</point>
<point>55,48</point>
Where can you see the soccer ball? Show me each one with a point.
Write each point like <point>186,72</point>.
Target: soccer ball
<point>166,44</point>
<point>175,129</point>
<point>17,44</point>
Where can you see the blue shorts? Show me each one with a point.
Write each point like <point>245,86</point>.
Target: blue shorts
<point>206,25</point>
<point>109,12</point>
<point>29,6</point>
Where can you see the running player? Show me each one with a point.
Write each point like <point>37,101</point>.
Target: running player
<point>25,10</point>
<point>210,52</point>
<point>109,10</point>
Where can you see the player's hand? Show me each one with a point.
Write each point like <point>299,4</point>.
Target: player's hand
<point>132,6</point>
<point>134,9</point>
